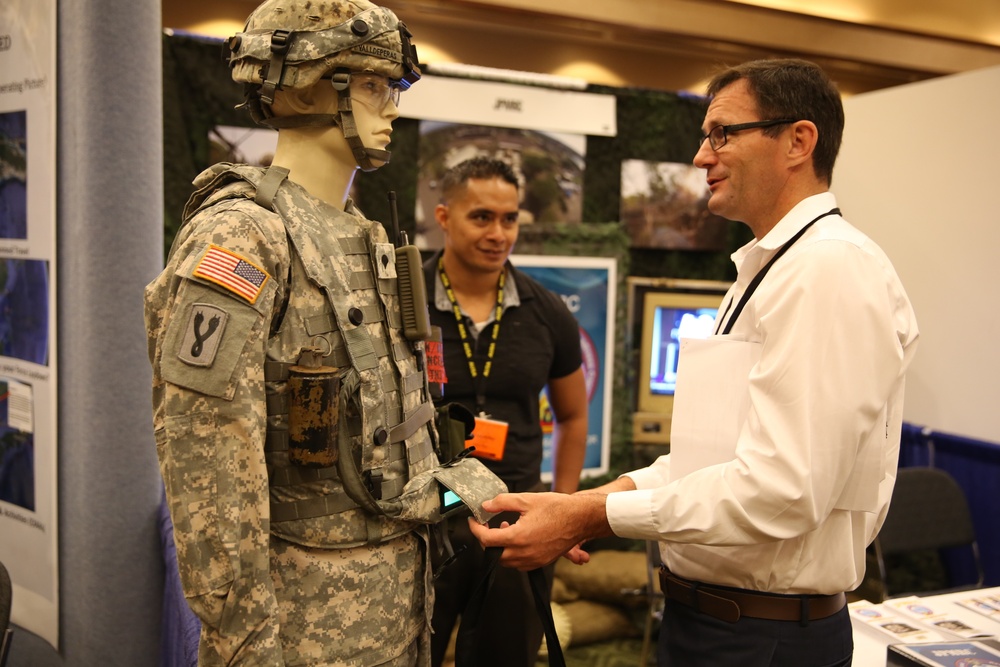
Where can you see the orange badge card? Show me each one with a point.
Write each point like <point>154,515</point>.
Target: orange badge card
<point>489,438</point>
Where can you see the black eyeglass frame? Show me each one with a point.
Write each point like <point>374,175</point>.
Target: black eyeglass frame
<point>739,127</point>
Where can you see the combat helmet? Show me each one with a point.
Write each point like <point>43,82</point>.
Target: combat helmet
<point>292,44</point>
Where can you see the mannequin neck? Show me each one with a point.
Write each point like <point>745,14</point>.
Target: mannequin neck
<point>325,174</point>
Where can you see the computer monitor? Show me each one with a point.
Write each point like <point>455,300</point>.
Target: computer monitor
<point>662,311</point>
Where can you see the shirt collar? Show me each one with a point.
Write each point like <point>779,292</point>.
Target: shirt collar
<point>800,215</point>
<point>510,295</point>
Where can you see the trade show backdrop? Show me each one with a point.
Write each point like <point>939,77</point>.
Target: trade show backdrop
<point>655,127</point>
<point>646,125</point>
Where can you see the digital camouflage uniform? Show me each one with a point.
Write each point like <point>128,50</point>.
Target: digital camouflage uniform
<point>265,588</point>
<point>288,560</point>
<point>282,563</point>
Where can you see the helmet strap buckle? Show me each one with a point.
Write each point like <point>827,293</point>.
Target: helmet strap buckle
<point>341,80</point>
<point>280,42</point>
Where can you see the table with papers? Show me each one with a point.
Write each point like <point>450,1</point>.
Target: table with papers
<point>965,616</point>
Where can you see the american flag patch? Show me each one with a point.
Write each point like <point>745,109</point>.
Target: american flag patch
<point>231,271</point>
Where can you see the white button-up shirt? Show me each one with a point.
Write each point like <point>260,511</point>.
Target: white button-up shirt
<point>837,333</point>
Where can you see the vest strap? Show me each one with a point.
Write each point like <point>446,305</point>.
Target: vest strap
<point>423,414</point>
<point>268,186</point>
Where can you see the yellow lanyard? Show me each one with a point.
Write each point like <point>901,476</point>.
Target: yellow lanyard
<point>464,335</point>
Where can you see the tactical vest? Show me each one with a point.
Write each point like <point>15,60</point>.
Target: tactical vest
<point>386,435</point>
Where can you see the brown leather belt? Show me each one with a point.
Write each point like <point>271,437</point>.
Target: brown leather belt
<point>730,605</point>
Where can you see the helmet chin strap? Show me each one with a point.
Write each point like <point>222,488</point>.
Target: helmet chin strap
<point>345,113</point>
<point>344,119</point>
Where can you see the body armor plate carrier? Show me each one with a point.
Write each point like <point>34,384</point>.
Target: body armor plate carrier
<point>386,475</point>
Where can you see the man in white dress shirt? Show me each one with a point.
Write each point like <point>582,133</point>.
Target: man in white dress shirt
<point>786,422</point>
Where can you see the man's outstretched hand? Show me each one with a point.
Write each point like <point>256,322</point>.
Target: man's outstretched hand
<point>551,525</point>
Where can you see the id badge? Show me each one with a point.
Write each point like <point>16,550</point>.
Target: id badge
<point>489,439</point>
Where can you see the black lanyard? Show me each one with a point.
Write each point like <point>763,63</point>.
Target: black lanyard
<point>763,272</point>
<point>479,379</point>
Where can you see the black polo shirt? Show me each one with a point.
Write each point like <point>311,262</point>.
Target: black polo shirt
<point>539,340</point>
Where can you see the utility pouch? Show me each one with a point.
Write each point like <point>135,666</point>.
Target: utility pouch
<point>455,424</point>
<point>425,498</point>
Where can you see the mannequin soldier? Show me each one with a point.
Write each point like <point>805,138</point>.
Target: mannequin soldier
<point>291,407</point>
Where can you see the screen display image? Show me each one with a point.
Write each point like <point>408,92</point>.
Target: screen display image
<point>669,325</point>
<point>661,312</point>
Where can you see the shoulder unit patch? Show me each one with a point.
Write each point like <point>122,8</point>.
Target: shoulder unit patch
<point>202,335</point>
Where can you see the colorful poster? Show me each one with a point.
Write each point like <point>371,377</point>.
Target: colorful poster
<point>587,286</point>
<point>28,370</point>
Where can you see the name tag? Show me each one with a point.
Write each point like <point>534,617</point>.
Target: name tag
<point>489,439</point>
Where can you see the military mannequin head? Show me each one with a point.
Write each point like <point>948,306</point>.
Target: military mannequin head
<point>309,64</point>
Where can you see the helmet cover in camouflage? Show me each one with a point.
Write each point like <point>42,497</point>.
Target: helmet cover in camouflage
<point>314,37</point>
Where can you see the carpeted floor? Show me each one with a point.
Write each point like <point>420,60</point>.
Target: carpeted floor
<point>613,653</point>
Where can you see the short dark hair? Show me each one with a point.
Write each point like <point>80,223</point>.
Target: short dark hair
<point>478,168</point>
<point>792,88</point>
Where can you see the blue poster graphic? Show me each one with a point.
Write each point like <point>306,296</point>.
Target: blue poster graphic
<point>587,287</point>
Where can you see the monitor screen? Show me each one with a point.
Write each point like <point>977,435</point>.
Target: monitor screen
<point>669,325</point>
<point>662,312</point>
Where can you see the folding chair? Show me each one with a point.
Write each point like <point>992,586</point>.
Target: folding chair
<point>928,514</point>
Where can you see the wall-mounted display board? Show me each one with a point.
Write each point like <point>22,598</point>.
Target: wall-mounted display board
<point>28,367</point>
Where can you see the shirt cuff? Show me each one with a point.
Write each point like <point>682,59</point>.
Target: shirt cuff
<point>630,514</point>
<point>651,477</point>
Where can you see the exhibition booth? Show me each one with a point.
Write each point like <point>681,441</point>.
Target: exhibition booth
<point>614,205</point>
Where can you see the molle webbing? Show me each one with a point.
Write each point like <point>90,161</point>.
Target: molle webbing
<point>302,475</point>
<point>278,372</point>
<point>339,502</point>
<point>398,431</point>
<point>343,268</point>
<point>323,325</point>
<point>311,507</point>
<point>299,475</point>
<point>402,431</point>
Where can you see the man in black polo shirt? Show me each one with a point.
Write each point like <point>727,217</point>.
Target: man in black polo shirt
<point>505,339</point>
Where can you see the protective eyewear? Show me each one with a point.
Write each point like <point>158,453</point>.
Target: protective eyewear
<point>374,90</point>
<point>719,135</point>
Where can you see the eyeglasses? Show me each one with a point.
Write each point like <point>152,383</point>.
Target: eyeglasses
<point>719,135</point>
<point>374,90</point>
